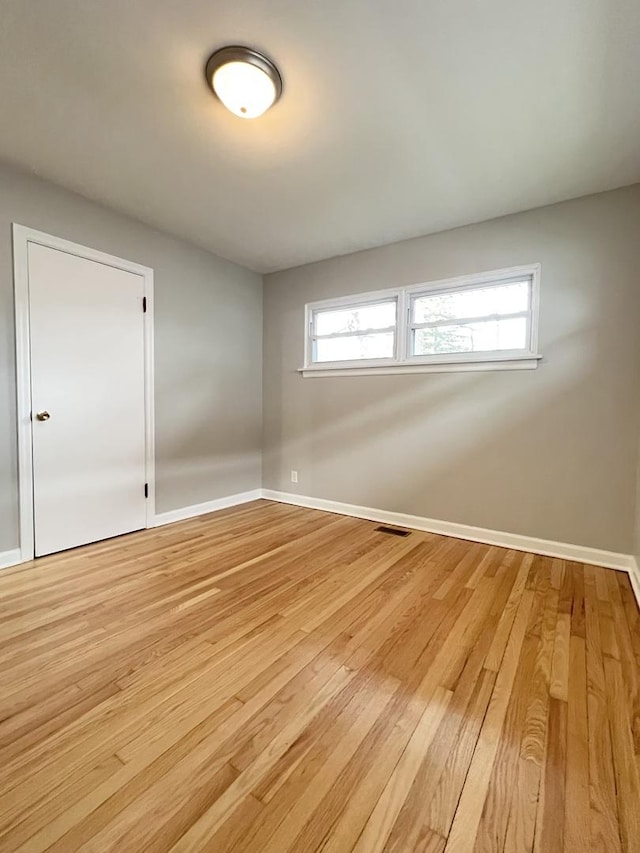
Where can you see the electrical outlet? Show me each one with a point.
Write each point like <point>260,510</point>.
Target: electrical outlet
<point>294,476</point>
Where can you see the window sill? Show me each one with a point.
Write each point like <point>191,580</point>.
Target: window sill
<point>529,362</point>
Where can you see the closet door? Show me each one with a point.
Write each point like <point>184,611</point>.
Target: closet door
<point>88,384</point>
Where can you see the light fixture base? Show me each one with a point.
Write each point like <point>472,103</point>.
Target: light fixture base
<point>240,53</point>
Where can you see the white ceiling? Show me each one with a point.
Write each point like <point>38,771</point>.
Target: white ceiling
<point>398,118</point>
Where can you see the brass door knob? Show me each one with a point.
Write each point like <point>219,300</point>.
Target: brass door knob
<point>43,416</point>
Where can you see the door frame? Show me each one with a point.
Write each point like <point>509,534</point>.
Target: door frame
<point>22,236</point>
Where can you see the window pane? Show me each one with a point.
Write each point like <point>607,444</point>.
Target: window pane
<point>497,299</point>
<point>483,336</point>
<point>376,315</point>
<point>352,347</point>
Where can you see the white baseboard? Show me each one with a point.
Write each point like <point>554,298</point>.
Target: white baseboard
<point>634,577</point>
<point>578,553</point>
<point>10,558</point>
<point>209,506</point>
<point>548,548</point>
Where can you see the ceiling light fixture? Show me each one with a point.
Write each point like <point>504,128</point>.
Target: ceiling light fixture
<point>246,82</point>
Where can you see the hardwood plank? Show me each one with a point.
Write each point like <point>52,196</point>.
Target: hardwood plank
<point>202,831</point>
<point>469,812</point>
<point>560,661</point>
<point>499,643</point>
<point>626,769</point>
<point>447,793</point>
<point>551,807</point>
<point>380,823</point>
<point>414,824</point>
<point>272,679</point>
<point>492,829</point>
<point>576,830</point>
<point>331,747</point>
<point>525,799</point>
<point>604,825</point>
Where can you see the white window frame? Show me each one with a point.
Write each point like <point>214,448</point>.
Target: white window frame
<point>357,301</point>
<point>404,361</point>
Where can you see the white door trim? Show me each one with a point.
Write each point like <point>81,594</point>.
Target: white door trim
<point>22,236</point>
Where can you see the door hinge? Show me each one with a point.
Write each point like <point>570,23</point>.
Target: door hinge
<point>146,490</point>
<point>144,304</point>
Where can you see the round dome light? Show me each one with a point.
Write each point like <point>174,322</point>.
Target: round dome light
<point>245,81</point>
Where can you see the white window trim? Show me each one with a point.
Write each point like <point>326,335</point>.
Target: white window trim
<point>404,362</point>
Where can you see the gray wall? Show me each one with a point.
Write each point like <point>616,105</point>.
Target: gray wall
<point>549,452</point>
<point>636,551</point>
<point>208,349</point>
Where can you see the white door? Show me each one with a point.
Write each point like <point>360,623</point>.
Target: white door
<point>88,399</point>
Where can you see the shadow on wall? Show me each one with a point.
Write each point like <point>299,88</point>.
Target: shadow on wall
<point>215,444</point>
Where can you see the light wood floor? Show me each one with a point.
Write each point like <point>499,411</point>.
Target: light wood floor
<point>277,679</point>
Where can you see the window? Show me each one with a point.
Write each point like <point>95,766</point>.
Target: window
<point>487,321</point>
<point>358,332</point>
<point>471,319</point>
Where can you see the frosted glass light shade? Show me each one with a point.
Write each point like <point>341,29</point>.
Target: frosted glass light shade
<point>246,82</point>
<point>244,89</point>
